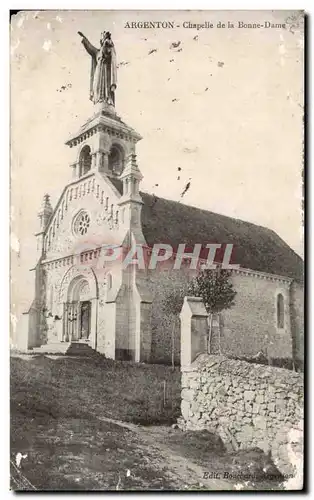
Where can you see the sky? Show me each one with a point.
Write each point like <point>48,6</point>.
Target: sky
<point>226,110</point>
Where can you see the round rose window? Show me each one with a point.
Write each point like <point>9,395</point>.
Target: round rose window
<point>81,223</point>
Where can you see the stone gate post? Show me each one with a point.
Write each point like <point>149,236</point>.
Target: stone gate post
<point>194,329</point>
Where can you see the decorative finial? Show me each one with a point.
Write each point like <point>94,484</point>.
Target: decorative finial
<point>131,168</point>
<point>46,202</point>
<point>45,212</point>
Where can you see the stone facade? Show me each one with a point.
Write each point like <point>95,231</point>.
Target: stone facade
<point>248,328</point>
<point>80,293</point>
<point>297,321</point>
<point>248,405</point>
<point>255,312</point>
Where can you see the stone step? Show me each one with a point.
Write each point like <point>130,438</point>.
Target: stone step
<point>80,349</point>
<point>66,348</point>
<point>52,348</point>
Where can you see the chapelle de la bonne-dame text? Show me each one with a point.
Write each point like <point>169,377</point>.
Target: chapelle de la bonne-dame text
<point>198,26</point>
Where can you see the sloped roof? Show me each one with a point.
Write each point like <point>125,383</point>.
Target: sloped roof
<point>255,247</point>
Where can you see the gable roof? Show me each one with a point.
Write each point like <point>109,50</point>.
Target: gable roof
<point>255,247</point>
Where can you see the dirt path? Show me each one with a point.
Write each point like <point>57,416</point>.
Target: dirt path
<point>180,469</point>
<point>92,454</point>
<point>102,454</point>
<point>77,434</point>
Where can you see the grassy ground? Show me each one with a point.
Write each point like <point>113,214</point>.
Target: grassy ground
<point>56,411</point>
<point>143,394</point>
<point>54,408</point>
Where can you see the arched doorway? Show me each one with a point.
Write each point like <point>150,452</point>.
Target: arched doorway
<point>78,311</point>
<point>78,285</point>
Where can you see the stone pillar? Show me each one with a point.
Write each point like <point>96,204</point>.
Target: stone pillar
<point>194,330</point>
<point>93,323</point>
<point>131,201</point>
<point>143,339</point>
<point>105,161</point>
<point>100,161</point>
<point>140,329</point>
<point>75,172</point>
<point>109,347</point>
<point>93,165</point>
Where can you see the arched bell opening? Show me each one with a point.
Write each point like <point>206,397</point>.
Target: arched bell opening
<point>85,161</point>
<point>116,160</point>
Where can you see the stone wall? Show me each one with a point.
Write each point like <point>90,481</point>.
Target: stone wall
<point>248,405</point>
<point>250,326</point>
<point>297,320</point>
<point>246,329</point>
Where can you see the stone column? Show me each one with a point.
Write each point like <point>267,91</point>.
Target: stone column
<point>142,303</point>
<point>110,313</point>
<point>93,165</point>
<point>101,161</point>
<point>105,161</point>
<point>93,323</point>
<point>75,172</point>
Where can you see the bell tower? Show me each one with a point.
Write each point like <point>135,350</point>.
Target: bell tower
<point>102,144</point>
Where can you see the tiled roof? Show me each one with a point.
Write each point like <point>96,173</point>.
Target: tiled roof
<point>255,247</point>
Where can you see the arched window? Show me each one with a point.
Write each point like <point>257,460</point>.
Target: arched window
<point>280,311</point>
<point>85,161</point>
<point>116,160</point>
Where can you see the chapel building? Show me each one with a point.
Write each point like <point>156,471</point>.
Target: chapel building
<point>82,297</point>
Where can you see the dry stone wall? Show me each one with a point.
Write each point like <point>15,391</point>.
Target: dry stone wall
<point>248,405</point>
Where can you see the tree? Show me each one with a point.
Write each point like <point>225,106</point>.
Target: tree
<point>216,289</point>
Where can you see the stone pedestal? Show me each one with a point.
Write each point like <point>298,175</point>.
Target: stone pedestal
<point>106,108</point>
